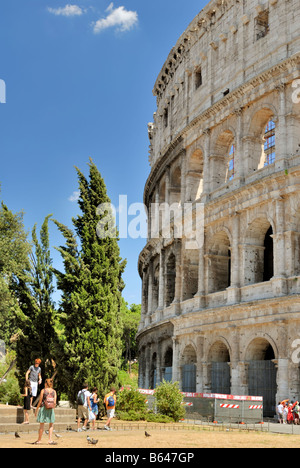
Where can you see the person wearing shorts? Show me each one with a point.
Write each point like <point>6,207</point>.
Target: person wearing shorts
<point>83,409</point>
<point>34,375</point>
<point>110,408</point>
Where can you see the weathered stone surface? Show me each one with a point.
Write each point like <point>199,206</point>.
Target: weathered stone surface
<point>236,298</point>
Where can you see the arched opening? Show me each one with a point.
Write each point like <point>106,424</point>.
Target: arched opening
<point>222,159</point>
<point>258,252</point>
<point>219,263</point>
<point>190,273</point>
<point>155,288</point>
<point>269,145</point>
<point>262,373</point>
<point>188,370</point>
<point>175,185</point>
<point>230,164</point>
<point>260,144</point>
<point>268,256</point>
<point>167,370</point>
<point>219,358</point>
<point>153,371</point>
<point>170,279</point>
<point>194,186</point>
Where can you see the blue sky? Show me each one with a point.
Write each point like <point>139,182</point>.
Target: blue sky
<point>79,77</point>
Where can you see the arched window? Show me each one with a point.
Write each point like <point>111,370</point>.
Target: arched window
<point>170,280</point>
<point>230,166</point>
<point>269,145</point>
<point>222,159</point>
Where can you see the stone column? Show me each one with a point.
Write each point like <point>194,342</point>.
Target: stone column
<point>176,363</point>
<point>147,367</point>
<point>183,179</point>
<point>281,130</point>
<point>161,291</point>
<point>178,279</point>
<point>167,199</point>
<point>243,377</point>
<point>150,291</point>
<point>199,367</point>
<point>201,280</point>
<point>279,283</point>
<point>206,168</point>
<point>234,364</point>
<point>239,157</point>
<point>282,379</point>
<point>158,363</point>
<point>144,300</point>
<point>233,295</point>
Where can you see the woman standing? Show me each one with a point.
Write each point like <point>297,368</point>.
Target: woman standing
<point>94,405</point>
<point>27,401</point>
<point>45,410</point>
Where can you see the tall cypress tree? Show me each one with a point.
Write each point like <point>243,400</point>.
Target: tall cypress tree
<point>36,322</point>
<point>91,293</point>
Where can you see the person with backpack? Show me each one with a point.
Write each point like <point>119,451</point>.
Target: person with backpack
<point>110,404</point>
<point>45,410</point>
<point>84,405</point>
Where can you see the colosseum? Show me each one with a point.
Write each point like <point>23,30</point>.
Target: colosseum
<point>223,315</point>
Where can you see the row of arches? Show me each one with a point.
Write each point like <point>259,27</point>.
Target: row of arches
<point>260,372</point>
<point>230,154</point>
<point>178,269</point>
<point>257,262</point>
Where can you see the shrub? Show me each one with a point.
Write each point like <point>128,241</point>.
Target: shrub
<point>158,418</point>
<point>132,400</point>
<point>132,415</point>
<point>169,400</point>
<point>143,416</point>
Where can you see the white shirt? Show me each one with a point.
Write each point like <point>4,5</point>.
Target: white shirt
<point>87,395</point>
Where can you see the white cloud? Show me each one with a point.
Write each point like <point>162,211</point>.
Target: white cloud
<point>120,18</point>
<point>74,197</point>
<point>68,10</point>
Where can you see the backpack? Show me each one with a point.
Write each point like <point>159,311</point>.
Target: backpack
<point>81,398</point>
<point>110,402</point>
<point>49,400</point>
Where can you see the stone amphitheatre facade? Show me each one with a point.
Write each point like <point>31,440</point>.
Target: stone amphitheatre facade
<point>225,317</point>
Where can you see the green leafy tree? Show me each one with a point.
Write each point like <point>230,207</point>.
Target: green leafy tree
<point>14,251</point>
<point>131,318</point>
<point>36,320</point>
<point>91,288</point>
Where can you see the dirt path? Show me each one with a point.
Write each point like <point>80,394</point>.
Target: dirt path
<point>167,439</point>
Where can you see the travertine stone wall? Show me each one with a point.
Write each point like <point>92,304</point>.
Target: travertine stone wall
<point>226,135</point>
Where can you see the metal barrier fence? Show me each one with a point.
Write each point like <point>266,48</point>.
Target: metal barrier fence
<point>220,408</point>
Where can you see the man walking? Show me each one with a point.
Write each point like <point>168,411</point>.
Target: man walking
<point>84,404</point>
<point>110,403</point>
<point>34,375</point>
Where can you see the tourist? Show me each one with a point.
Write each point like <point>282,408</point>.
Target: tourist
<point>34,375</point>
<point>27,401</point>
<point>84,405</point>
<point>94,405</point>
<point>296,413</point>
<point>291,413</point>
<point>285,413</point>
<point>110,404</point>
<point>279,412</point>
<point>45,410</point>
